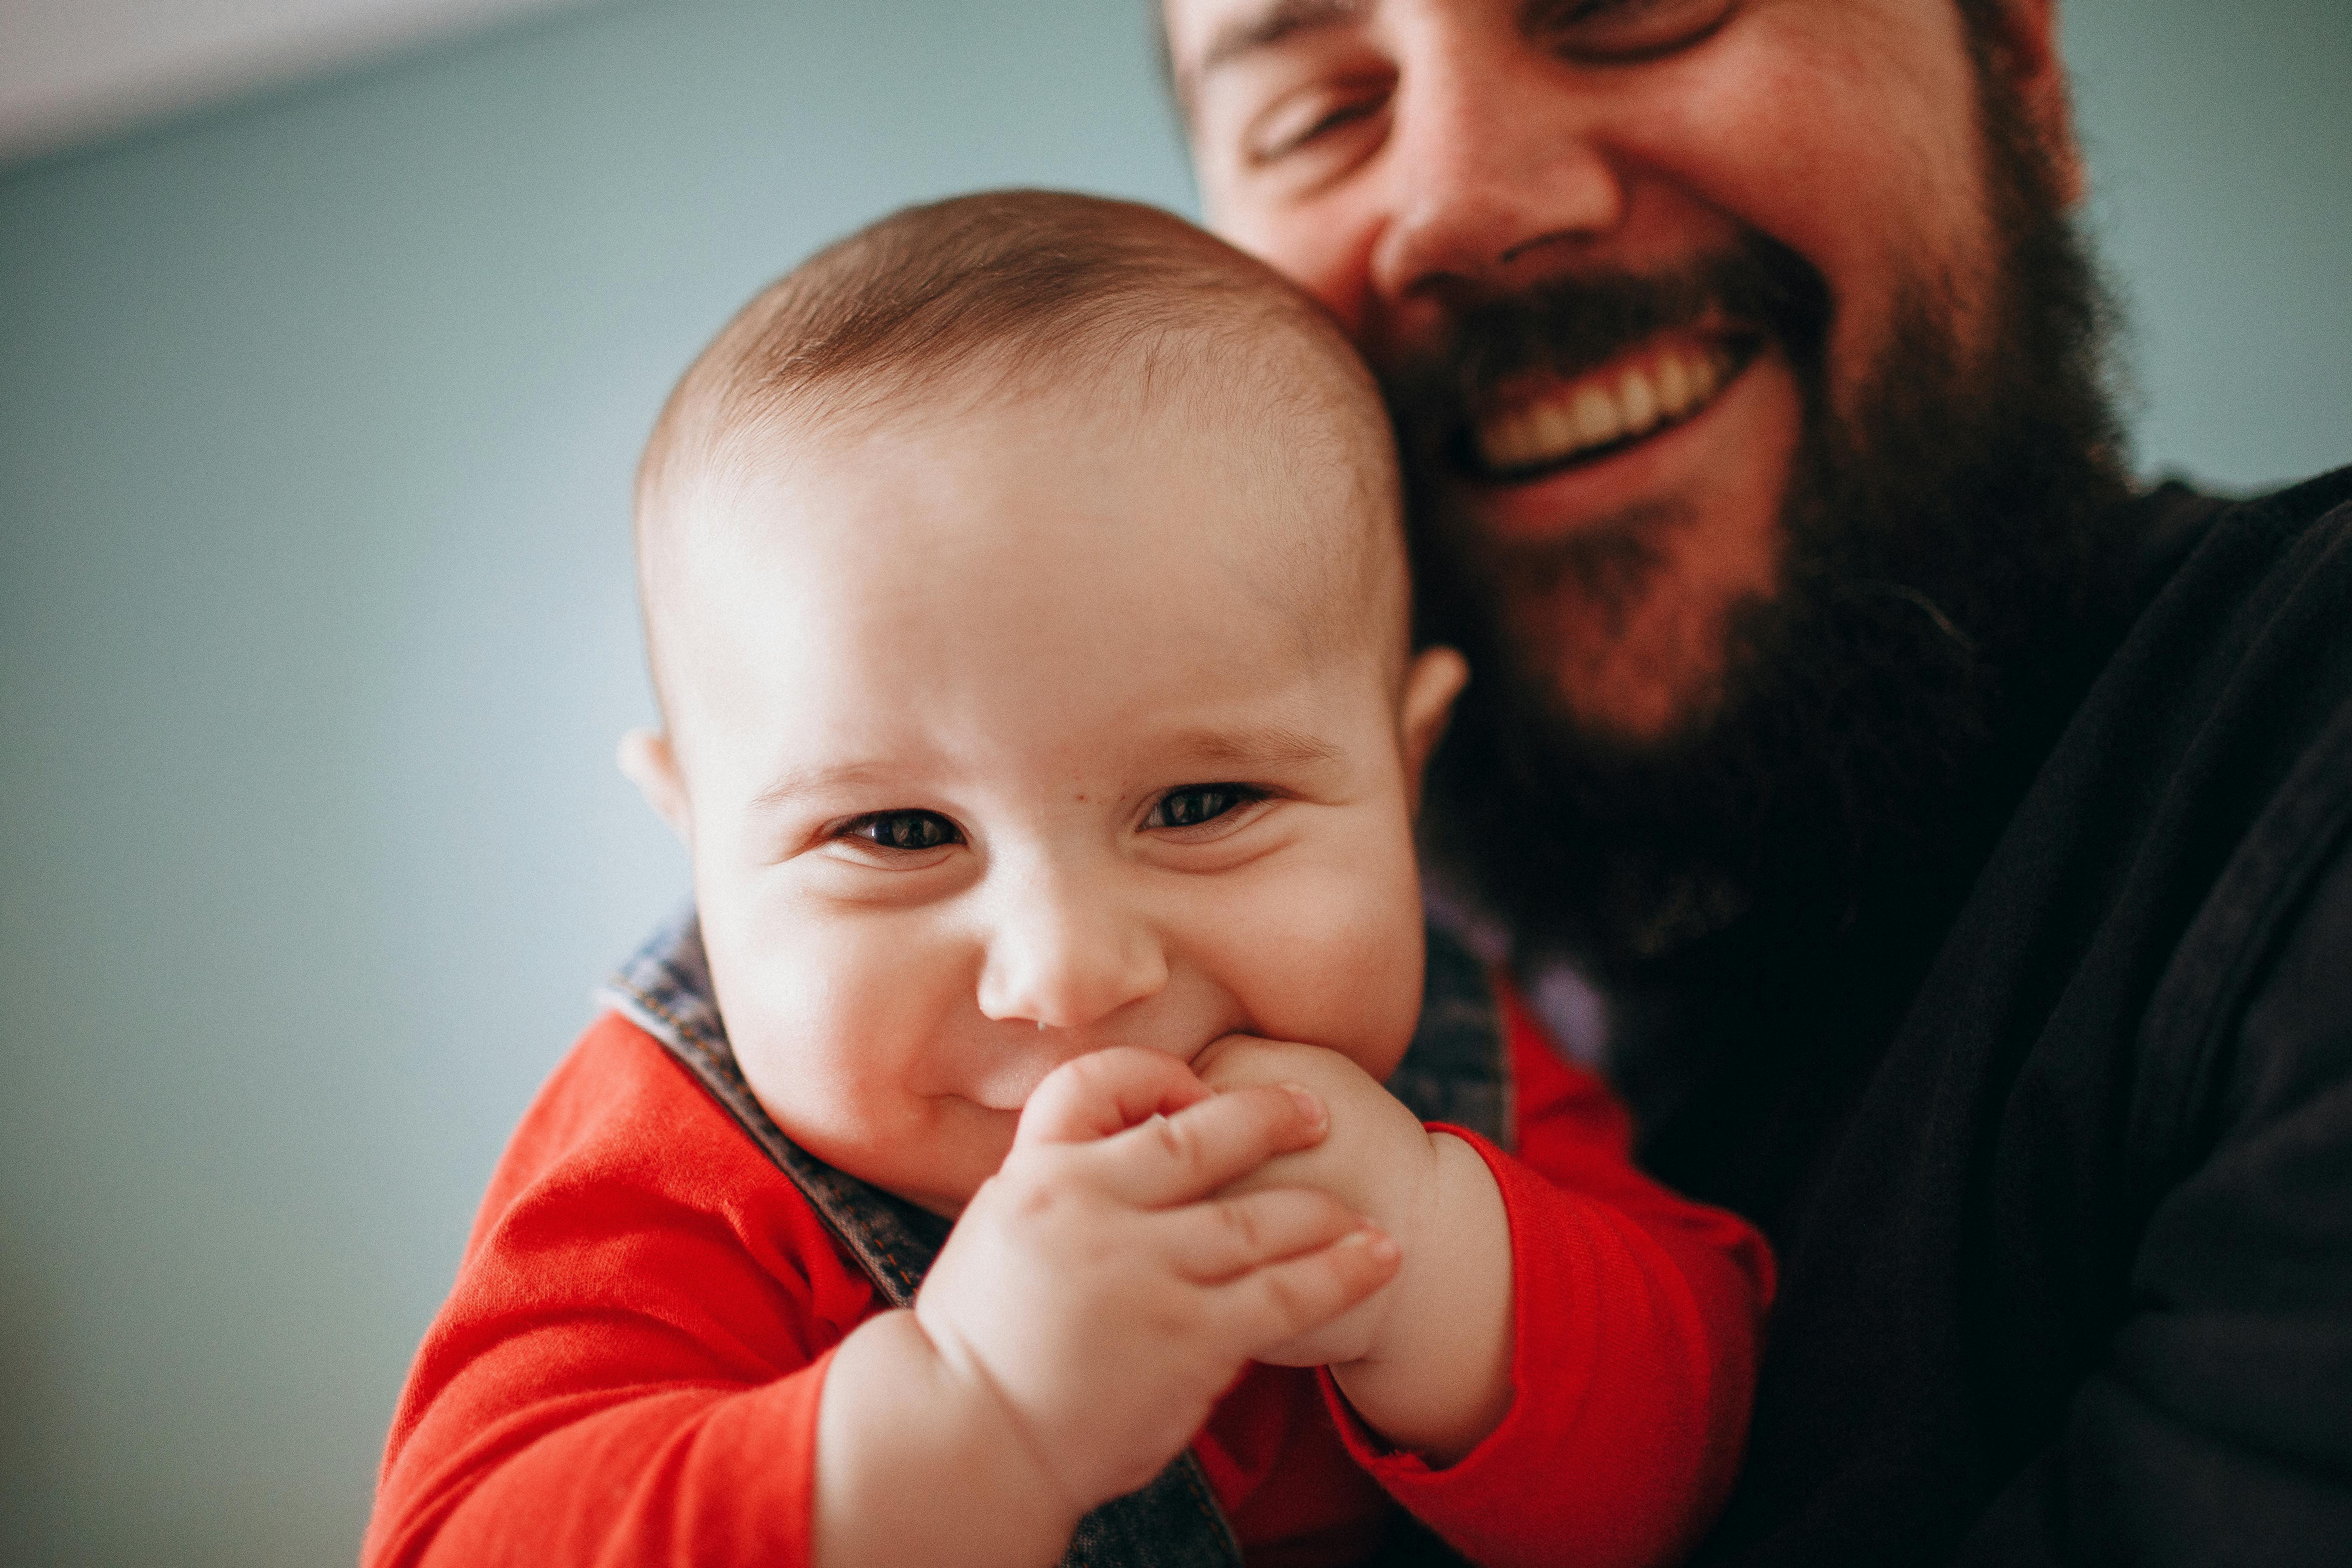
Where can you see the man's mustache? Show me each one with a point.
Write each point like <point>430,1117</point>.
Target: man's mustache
<point>1568,325</point>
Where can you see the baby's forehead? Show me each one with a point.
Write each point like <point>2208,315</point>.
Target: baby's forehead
<point>1008,535</point>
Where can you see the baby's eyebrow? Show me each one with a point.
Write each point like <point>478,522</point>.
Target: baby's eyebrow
<point>810,779</point>
<point>1265,746</point>
<point>1255,745</point>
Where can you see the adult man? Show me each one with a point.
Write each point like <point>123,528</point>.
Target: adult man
<point>1960,838</point>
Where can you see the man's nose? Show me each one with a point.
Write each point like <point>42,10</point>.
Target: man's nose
<point>1065,953</point>
<point>1496,172</point>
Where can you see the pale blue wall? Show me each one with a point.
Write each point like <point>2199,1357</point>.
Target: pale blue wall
<point>2219,137</point>
<point>315,420</point>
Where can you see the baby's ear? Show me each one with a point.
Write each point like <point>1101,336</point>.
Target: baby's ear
<point>1432,681</point>
<point>647,761</point>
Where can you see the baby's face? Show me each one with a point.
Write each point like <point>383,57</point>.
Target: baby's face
<point>1007,737</point>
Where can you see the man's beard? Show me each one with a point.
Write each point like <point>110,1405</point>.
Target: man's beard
<point>1951,569</point>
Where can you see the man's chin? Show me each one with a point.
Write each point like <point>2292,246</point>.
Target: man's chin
<point>1630,625</point>
<point>1631,687</point>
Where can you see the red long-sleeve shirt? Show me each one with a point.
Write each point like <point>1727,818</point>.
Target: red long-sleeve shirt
<point>629,1368</point>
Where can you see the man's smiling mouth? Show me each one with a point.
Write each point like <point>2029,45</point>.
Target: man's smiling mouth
<point>1539,422</point>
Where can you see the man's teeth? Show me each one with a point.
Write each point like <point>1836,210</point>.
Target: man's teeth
<point>1594,411</point>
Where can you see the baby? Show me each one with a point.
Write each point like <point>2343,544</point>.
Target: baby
<point>1026,595</point>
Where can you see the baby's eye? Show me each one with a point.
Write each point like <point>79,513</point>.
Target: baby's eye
<point>903,829</point>
<point>1196,804</point>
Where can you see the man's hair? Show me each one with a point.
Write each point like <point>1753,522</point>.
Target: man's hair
<point>1003,294</point>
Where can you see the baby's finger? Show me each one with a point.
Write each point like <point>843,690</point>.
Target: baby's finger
<point>1217,1240</point>
<point>1183,1158</point>
<point>1298,1295</point>
<point>1094,1096</point>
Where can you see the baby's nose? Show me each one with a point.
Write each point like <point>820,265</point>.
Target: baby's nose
<point>1063,959</point>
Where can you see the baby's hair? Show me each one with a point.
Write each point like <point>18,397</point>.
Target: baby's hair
<point>1003,294</point>
<point>1023,289</point>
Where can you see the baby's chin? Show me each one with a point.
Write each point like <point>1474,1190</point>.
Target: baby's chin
<point>945,1207</point>
<point>946,1194</point>
<point>970,1155</point>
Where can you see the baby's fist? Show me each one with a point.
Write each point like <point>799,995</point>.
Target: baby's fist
<point>1377,1160</point>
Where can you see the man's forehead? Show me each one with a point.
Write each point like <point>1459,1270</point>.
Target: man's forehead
<point>1204,34</point>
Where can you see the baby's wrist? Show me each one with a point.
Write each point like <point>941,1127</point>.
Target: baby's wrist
<point>960,1481</point>
<point>974,1405</point>
<point>1423,1222</point>
<point>1412,1209</point>
<point>1436,1379</point>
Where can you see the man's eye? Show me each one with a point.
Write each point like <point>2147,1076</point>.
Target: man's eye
<point>1304,118</point>
<point>1619,32</point>
<point>1196,804</point>
<point>904,830</point>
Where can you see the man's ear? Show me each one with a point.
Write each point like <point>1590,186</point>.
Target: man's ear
<point>2024,39</point>
<point>1432,681</point>
<point>647,761</point>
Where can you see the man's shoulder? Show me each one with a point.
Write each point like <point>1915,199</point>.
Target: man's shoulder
<point>2322,495</point>
<point>2204,786</point>
<point>2196,545</point>
<point>2204,778</point>
<point>2260,790</point>
<point>2263,602</point>
<point>2242,640</point>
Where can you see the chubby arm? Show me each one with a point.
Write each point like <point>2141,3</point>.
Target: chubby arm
<point>628,1365</point>
<point>1092,1303</point>
<point>645,1350</point>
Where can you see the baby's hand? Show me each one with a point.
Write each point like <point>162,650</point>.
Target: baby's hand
<point>1377,1160</point>
<point>1106,1285</point>
<point>1425,1360</point>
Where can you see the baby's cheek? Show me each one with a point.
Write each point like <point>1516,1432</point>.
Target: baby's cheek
<point>807,1090</point>
<point>839,1059</point>
<point>1344,971</point>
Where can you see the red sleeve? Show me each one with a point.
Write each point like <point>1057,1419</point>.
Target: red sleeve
<point>1636,1321</point>
<point>628,1367</point>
